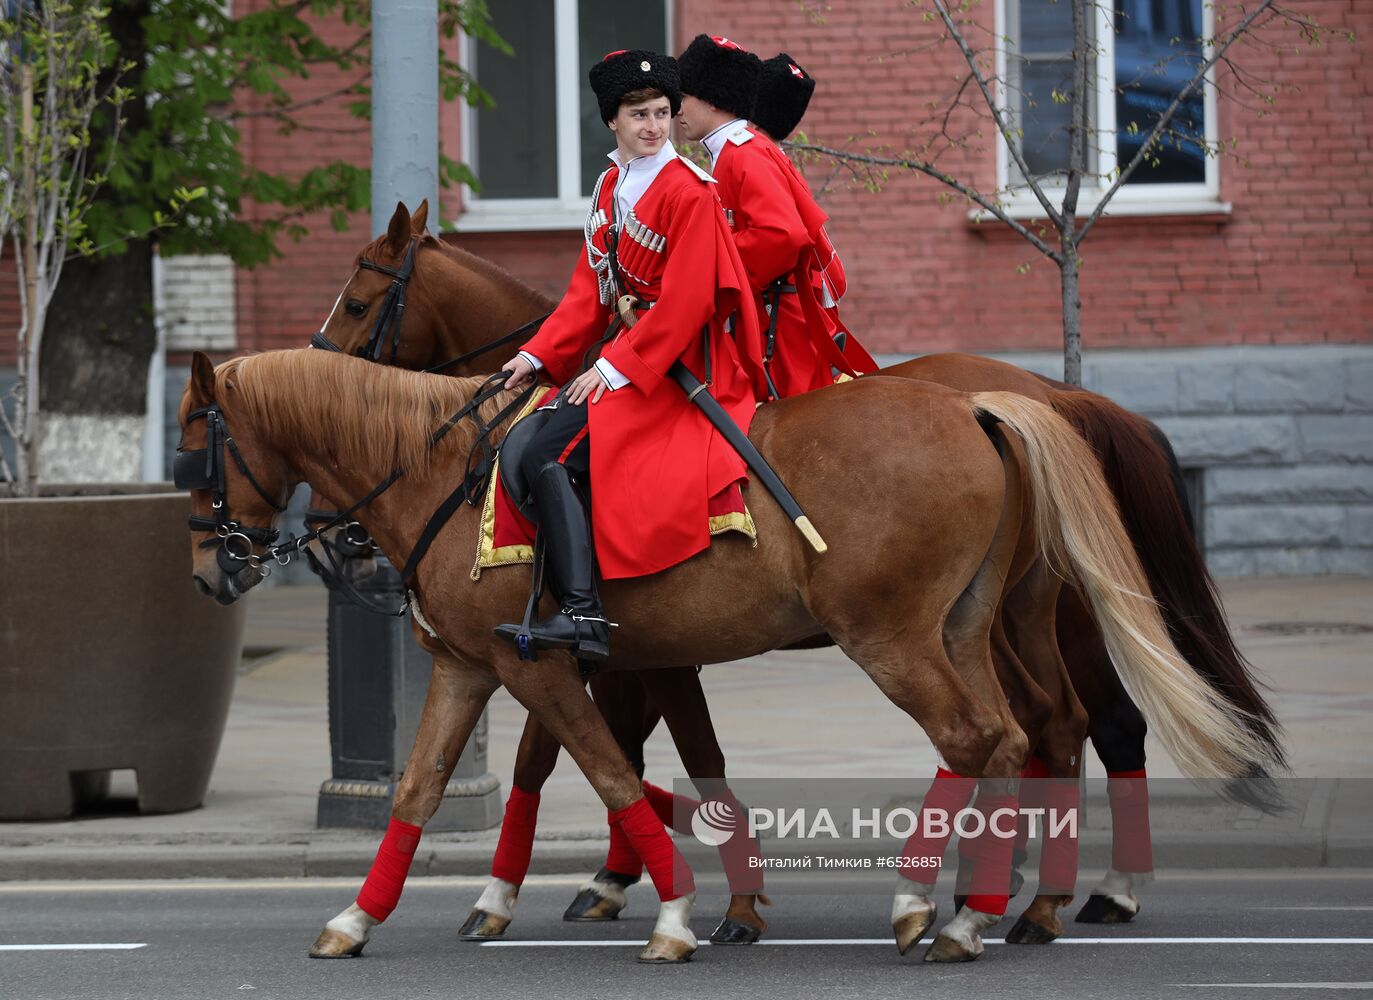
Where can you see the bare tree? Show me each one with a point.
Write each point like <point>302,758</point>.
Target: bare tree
<point>980,103</point>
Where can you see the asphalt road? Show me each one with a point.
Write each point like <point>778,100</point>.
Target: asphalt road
<point>249,940</point>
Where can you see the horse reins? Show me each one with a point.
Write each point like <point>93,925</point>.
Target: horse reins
<point>205,469</point>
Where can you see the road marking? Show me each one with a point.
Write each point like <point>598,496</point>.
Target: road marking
<point>216,885</point>
<point>845,942</point>
<point>1321,908</point>
<point>1281,986</point>
<point>70,947</point>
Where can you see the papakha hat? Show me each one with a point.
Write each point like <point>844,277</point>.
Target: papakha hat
<point>784,91</point>
<point>628,70</point>
<point>721,73</point>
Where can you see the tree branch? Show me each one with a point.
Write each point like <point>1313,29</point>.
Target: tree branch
<point>920,166</point>
<point>1167,117</point>
<point>1001,123</point>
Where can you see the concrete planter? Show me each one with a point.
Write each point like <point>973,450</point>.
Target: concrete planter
<point>109,659</point>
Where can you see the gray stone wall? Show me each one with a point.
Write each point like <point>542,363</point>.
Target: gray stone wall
<point>1279,439</point>
<point>1282,438</point>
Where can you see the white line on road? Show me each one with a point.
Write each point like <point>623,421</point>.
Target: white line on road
<point>842,942</point>
<point>217,885</point>
<point>70,947</point>
<point>1280,986</point>
<point>1321,908</point>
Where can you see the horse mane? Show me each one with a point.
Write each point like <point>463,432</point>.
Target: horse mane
<point>358,413</point>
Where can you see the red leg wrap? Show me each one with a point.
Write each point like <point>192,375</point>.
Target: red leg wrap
<point>381,892</point>
<point>947,793</point>
<point>622,858</point>
<point>744,879</point>
<point>990,888</point>
<point>1058,860</point>
<point>1132,848</point>
<point>670,873</point>
<point>674,810</point>
<point>516,845</point>
<point>1031,797</point>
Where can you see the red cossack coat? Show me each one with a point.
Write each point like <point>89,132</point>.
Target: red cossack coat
<point>655,458</point>
<point>780,233</point>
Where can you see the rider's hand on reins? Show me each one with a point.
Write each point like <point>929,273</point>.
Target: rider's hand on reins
<point>521,371</point>
<point>588,383</point>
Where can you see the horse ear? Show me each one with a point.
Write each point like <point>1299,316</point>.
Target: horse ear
<point>420,217</point>
<point>398,232</point>
<point>202,384</point>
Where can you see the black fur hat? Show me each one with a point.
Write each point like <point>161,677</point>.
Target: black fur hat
<point>784,90</point>
<point>721,73</point>
<point>628,70</point>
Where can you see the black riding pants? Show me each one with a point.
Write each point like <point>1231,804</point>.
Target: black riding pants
<point>563,439</point>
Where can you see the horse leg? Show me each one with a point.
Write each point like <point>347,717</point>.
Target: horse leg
<point>914,672</point>
<point>1117,730</point>
<point>631,717</point>
<point>967,633</point>
<point>552,690</point>
<point>1055,778</point>
<point>458,691</point>
<point>534,762</point>
<point>682,701</point>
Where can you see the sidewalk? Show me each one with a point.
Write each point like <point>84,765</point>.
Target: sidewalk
<point>802,715</point>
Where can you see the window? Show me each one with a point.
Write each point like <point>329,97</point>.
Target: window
<point>538,152</point>
<point>1145,53</point>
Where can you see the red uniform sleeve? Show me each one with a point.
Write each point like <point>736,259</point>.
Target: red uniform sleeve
<point>663,334</point>
<point>577,323</point>
<point>774,234</point>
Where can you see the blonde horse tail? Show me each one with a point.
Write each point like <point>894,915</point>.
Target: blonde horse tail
<point>1081,536</point>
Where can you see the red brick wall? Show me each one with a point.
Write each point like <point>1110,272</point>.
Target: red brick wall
<point>1291,264</point>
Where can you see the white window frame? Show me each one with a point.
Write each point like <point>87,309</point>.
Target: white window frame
<point>1131,199</point>
<point>569,209</point>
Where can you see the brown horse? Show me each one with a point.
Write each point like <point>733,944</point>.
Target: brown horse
<point>911,529</point>
<point>465,302</point>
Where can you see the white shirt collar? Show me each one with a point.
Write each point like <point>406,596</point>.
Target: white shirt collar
<point>637,174</point>
<point>715,141</point>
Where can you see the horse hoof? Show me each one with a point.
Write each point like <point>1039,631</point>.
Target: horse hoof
<point>481,926</point>
<point>1101,909</point>
<point>733,931</point>
<point>909,928</point>
<point>590,906</point>
<point>334,944</point>
<point>1028,932</point>
<point>946,949</point>
<point>663,949</point>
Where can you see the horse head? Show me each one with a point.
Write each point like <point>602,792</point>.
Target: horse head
<point>386,312</point>
<point>238,486</point>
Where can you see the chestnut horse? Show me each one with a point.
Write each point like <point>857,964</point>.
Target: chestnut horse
<point>912,529</point>
<point>463,302</point>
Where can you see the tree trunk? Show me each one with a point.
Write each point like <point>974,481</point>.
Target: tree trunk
<point>101,334</point>
<point>1072,316</point>
<point>95,369</point>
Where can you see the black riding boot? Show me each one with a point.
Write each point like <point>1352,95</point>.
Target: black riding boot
<point>580,625</point>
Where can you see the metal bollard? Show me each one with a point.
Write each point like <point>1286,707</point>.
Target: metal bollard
<point>378,676</point>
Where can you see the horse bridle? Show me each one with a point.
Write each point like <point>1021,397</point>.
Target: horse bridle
<point>205,469</point>
<point>393,311</point>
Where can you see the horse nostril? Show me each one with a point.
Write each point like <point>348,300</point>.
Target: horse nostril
<point>203,587</point>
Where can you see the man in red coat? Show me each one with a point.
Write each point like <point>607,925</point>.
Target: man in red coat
<point>778,227</point>
<point>784,93</point>
<point>656,232</point>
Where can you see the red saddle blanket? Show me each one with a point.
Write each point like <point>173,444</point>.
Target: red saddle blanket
<point>507,536</point>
